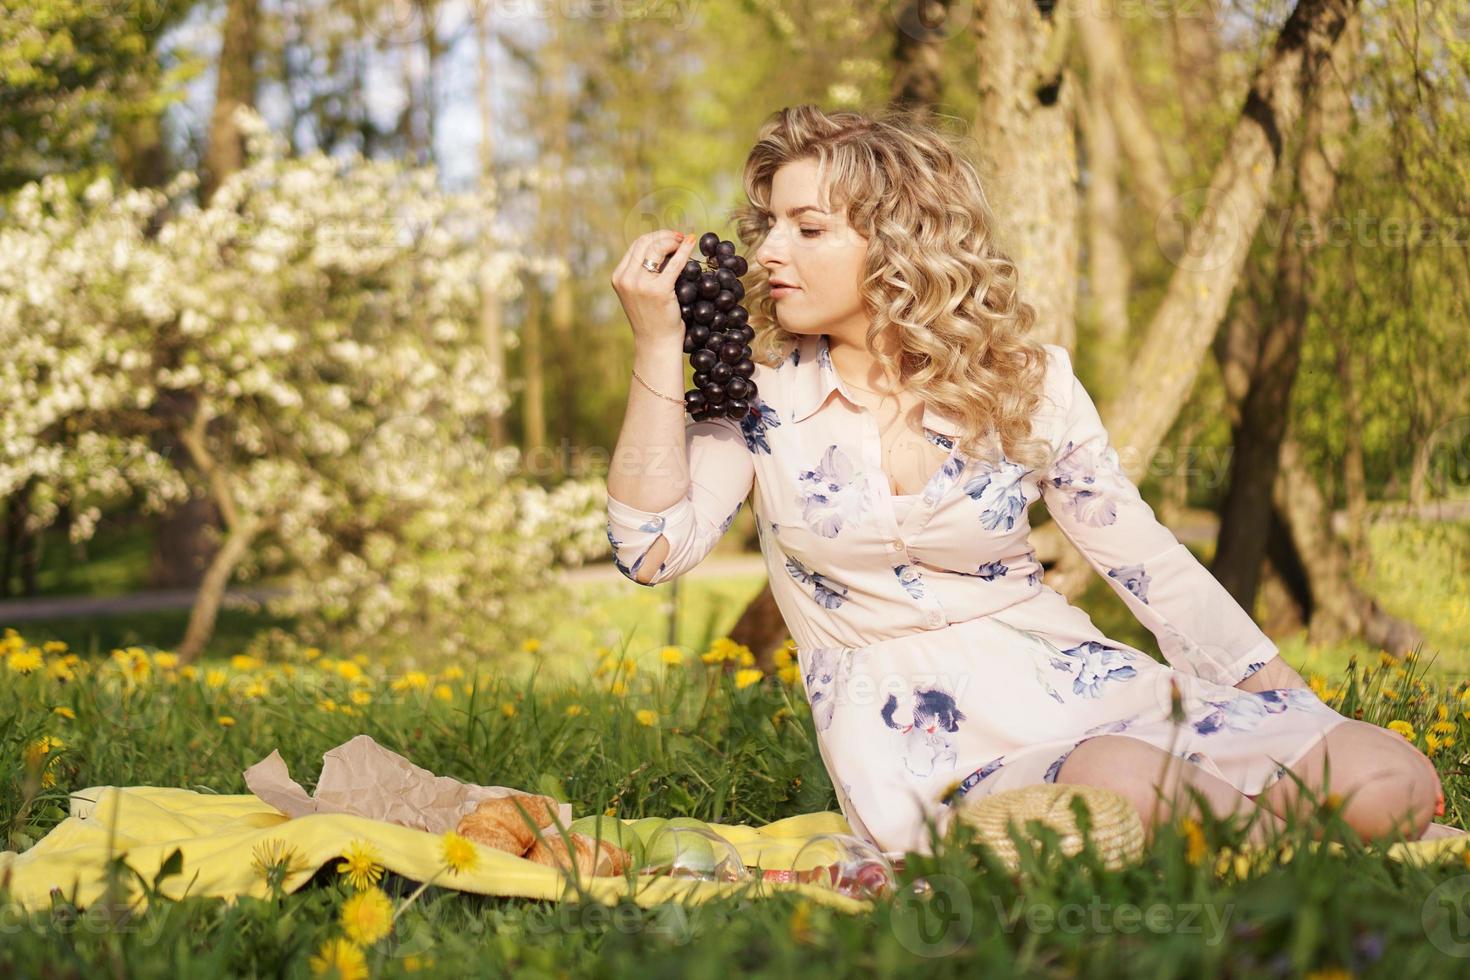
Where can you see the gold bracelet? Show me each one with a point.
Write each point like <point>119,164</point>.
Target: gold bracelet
<point>676,401</point>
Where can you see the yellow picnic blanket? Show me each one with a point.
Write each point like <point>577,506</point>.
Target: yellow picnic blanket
<point>217,835</point>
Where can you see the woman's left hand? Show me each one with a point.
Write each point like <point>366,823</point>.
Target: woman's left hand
<point>1276,674</point>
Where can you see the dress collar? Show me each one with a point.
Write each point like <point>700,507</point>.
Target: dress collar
<point>816,379</point>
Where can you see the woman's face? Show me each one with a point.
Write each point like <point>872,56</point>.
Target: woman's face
<point>816,251</point>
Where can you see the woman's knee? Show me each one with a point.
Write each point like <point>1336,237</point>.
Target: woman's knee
<point>1380,779</point>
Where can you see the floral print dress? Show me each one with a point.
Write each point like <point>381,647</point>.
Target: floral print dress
<point>938,664</point>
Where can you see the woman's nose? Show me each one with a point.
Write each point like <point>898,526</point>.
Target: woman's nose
<point>772,251</point>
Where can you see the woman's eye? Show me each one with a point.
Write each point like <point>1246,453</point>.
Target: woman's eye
<point>811,232</point>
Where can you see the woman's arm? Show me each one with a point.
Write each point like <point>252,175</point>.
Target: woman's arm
<point>673,488</point>
<point>1199,626</point>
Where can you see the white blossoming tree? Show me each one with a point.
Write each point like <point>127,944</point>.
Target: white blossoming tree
<point>316,321</point>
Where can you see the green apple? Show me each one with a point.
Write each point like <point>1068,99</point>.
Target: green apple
<point>612,830</point>
<point>672,850</point>
<point>648,826</point>
<point>687,822</point>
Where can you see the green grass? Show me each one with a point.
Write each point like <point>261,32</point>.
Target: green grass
<point>716,753</point>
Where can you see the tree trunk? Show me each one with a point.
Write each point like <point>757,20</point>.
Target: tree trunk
<point>761,628</point>
<point>1109,271</point>
<point>918,54</point>
<point>234,87</point>
<point>1199,291</point>
<point>1023,132</point>
<point>1111,83</point>
<point>492,330</point>
<point>181,545</point>
<point>205,611</point>
<point>1301,545</point>
<point>1267,404</point>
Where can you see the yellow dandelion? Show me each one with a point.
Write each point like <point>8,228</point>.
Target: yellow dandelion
<point>24,661</point>
<point>361,658</point>
<point>244,662</point>
<point>780,715</point>
<point>166,661</point>
<point>672,656</point>
<point>748,676</point>
<point>453,672</point>
<point>35,753</point>
<point>646,717</point>
<point>413,680</point>
<point>413,963</point>
<point>1390,694</point>
<point>348,670</point>
<point>744,657</point>
<point>327,705</point>
<point>255,691</point>
<point>54,646</point>
<point>575,709</point>
<point>367,916</point>
<point>60,670</point>
<point>783,656</point>
<point>225,721</point>
<point>216,678</point>
<point>1403,728</point>
<point>1441,712</point>
<point>361,698</point>
<point>1443,727</point>
<point>443,692</point>
<point>340,958</point>
<point>789,673</point>
<point>347,709</point>
<point>361,865</point>
<point>458,853</point>
<point>1432,743</point>
<point>801,921</point>
<point>531,645</point>
<point>188,672</point>
<point>507,709</point>
<point>64,712</point>
<point>619,688</point>
<point>1195,838</point>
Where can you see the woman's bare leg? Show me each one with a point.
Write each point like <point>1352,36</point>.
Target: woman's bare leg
<point>1158,784</point>
<point>1386,785</point>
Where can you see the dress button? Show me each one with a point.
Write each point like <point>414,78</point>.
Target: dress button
<point>895,546</point>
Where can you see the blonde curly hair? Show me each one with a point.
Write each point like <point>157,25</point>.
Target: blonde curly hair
<point>934,274</point>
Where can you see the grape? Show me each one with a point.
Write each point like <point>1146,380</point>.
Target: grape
<point>717,332</point>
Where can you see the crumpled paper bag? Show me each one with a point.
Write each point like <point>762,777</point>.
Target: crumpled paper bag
<point>362,778</point>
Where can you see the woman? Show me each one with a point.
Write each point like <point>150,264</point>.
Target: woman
<point>904,423</point>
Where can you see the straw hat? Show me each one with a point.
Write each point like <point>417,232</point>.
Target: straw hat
<point>1116,831</point>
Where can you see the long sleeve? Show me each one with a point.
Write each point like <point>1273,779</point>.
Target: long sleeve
<point>1199,626</point>
<point>721,474</point>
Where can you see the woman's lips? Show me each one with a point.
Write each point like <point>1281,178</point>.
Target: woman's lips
<point>778,291</point>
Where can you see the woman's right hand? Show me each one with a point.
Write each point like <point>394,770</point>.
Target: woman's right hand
<point>648,297</point>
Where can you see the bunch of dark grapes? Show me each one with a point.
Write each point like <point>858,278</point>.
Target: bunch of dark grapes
<point>717,333</point>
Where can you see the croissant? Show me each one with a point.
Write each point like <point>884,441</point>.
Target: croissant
<point>600,856</point>
<point>499,823</point>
